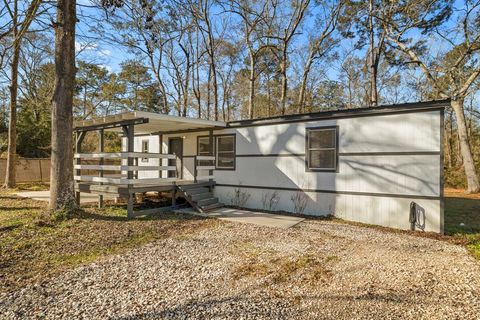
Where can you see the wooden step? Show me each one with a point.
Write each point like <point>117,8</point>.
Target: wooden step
<point>194,185</point>
<point>212,206</point>
<point>201,196</point>
<point>192,192</point>
<point>206,202</point>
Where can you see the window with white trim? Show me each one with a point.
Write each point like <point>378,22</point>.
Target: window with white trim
<point>322,149</point>
<point>225,152</point>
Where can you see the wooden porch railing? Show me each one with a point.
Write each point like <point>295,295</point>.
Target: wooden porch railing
<point>201,168</point>
<point>128,173</point>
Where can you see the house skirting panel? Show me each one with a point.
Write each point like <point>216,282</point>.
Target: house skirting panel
<point>379,209</point>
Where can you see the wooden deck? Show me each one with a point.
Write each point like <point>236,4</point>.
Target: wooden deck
<point>124,191</point>
<point>128,192</point>
<point>120,178</point>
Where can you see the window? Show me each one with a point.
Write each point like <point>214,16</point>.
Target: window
<point>203,150</point>
<point>321,148</point>
<point>202,147</point>
<point>225,155</point>
<point>223,149</point>
<point>144,149</point>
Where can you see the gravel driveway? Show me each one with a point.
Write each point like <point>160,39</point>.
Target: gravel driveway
<point>318,269</point>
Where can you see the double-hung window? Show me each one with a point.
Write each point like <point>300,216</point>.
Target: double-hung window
<point>204,150</point>
<point>225,153</point>
<point>223,150</point>
<point>322,149</point>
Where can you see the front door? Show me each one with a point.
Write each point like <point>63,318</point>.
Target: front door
<point>175,146</point>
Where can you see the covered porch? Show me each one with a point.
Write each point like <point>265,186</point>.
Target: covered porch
<point>129,172</point>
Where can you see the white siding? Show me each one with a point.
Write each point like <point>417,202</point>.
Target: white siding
<point>361,189</point>
<point>153,146</point>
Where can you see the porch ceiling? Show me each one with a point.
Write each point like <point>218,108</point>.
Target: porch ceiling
<point>156,123</point>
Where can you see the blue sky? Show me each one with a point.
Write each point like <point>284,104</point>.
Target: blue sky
<point>112,55</point>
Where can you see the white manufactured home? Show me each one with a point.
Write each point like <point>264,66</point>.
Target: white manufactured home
<point>381,165</point>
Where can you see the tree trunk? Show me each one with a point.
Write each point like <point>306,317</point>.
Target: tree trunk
<point>209,81</point>
<point>269,98</point>
<point>372,59</point>
<point>215,88</point>
<point>185,92</point>
<point>196,79</point>
<point>160,83</point>
<point>473,185</point>
<point>303,87</point>
<point>283,69</point>
<point>10,177</point>
<point>224,100</point>
<point>251,96</point>
<point>448,146</point>
<point>373,86</point>
<point>196,90</point>
<point>62,193</point>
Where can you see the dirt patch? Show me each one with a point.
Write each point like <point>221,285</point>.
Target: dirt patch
<point>275,267</point>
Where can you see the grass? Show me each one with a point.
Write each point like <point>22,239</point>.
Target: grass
<point>462,219</point>
<point>34,246</point>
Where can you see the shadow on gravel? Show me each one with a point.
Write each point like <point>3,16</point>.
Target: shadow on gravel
<point>264,307</point>
<point>227,308</point>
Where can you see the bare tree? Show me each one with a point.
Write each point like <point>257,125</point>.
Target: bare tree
<point>320,44</point>
<point>62,191</point>
<point>454,75</point>
<point>18,30</point>
<point>375,49</point>
<point>361,20</point>
<point>142,28</point>
<point>198,53</point>
<point>254,24</point>
<point>228,57</point>
<point>287,25</point>
<point>201,11</point>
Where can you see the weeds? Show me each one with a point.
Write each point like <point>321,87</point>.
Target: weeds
<point>300,201</point>
<point>239,198</point>
<point>270,200</point>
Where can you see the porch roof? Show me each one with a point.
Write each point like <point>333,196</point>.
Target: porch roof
<point>146,123</point>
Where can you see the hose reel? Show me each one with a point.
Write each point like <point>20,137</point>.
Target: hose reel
<point>417,216</point>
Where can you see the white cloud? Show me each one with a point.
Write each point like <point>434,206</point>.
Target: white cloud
<point>85,46</point>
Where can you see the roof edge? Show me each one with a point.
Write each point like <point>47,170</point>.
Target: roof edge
<point>345,113</point>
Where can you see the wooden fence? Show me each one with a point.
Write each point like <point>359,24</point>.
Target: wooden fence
<point>28,170</point>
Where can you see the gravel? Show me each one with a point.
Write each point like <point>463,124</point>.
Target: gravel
<point>318,269</point>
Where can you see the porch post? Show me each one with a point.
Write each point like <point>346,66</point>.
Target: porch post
<point>160,150</point>
<point>128,131</point>
<point>210,151</point>
<point>101,147</point>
